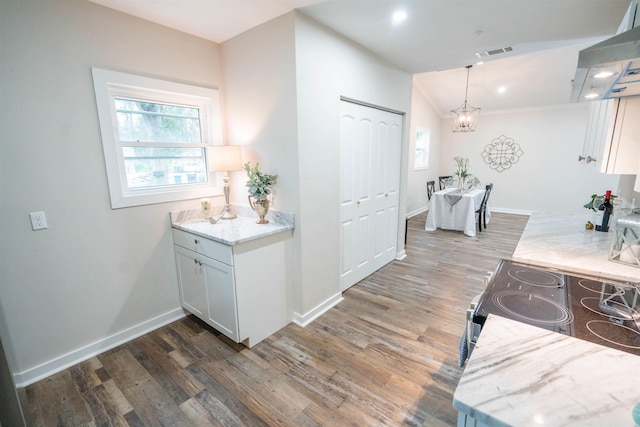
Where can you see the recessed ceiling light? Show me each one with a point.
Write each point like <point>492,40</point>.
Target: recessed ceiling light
<point>603,75</point>
<point>591,96</point>
<point>502,89</point>
<point>479,63</point>
<point>398,17</point>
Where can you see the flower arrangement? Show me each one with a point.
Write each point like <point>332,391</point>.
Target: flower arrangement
<point>462,167</point>
<point>259,183</point>
<point>595,202</point>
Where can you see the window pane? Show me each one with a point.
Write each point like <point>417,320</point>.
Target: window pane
<point>421,152</point>
<point>154,122</point>
<point>148,167</point>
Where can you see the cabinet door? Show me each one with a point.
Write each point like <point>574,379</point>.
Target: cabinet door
<point>221,297</point>
<point>596,136</point>
<point>190,281</point>
<point>623,151</point>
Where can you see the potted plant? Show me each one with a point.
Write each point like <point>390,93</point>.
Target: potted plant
<point>596,201</point>
<point>593,205</point>
<point>259,187</point>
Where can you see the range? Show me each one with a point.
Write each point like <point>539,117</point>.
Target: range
<point>605,313</point>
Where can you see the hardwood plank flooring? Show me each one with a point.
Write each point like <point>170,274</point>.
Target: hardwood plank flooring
<point>387,355</point>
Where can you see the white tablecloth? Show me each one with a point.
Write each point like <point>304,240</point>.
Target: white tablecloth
<point>445,212</point>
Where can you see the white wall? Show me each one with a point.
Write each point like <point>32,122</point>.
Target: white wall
<point>329,67</point>
<point>548,176</point>
<point>425,117</point>
<point>283,83</point>
<point>260,102</point>
<point>95,272</point>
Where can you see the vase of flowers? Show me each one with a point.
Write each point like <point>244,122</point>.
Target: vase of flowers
<point>259,187</point>
<point>462,171</point>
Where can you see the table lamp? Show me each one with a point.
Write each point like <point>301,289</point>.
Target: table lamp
<point>226,158</point>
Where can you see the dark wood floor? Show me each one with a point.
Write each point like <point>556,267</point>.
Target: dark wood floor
<point>386,355</point>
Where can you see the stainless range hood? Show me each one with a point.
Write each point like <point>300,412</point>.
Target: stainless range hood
<point>609,69</point>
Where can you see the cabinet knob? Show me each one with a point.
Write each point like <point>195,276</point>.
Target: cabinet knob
<point>197,262</point>
<point>581,158</point>
<point>196,241</point>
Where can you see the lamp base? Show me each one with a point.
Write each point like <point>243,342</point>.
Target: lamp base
<point>227,214</point>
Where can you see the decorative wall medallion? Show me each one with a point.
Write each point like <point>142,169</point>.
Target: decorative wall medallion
<point>502,153</point>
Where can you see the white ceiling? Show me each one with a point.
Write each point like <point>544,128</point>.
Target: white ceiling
<point>438,38</point>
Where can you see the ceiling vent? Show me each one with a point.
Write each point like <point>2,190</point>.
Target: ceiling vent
<point>494,52</point>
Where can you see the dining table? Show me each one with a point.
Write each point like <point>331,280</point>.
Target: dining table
<point>453,209</point>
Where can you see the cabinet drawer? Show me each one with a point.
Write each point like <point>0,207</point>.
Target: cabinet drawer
<point>203,246</point>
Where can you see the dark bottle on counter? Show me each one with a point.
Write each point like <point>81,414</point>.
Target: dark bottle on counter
<point>607,208</point>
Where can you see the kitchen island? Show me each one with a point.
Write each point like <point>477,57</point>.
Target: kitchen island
<point>522,375</point>
<point>561,241</point>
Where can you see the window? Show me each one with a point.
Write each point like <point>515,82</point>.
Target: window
<point>421,152</point>
<point>155,138</point>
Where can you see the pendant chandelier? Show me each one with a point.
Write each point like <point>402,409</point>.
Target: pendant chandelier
<point>464,118</point>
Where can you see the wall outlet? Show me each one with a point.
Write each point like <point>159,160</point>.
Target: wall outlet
<point>38,220</point>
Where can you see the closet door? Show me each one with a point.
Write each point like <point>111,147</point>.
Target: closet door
<point>370,144</point>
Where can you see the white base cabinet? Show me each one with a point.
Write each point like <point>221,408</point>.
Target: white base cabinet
<point>241,290</point>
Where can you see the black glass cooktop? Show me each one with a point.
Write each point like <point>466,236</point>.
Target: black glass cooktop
<point>603,313</point>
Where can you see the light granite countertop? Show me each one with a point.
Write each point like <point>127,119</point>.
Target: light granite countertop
<point>561,241</point>
<point>522,375</point>
<point>232,231</point>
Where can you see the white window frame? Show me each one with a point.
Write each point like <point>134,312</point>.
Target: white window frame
<point>109,85</point>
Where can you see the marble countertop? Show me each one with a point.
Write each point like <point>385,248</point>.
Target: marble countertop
<point>232,231</point>
<point>522,375</point>
<point>561,241</point>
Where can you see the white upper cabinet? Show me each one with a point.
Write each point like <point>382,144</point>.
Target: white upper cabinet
<point>596,135</point>
<point>621,153</point>
<point>631,18</point>
<point>611,140</point>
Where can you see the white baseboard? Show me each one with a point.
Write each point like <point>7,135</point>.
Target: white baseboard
<point>401,255</point>
<point>417,211</point>
<point>510,211</point>
<point>304,319</point>
<point>32,375</point>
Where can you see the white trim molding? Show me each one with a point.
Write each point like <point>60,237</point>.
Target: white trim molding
<point>35,374</point>
<point>311,315</point>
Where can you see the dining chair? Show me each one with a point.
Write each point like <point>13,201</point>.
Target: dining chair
<point>443,180</point>
<point>431,188</point>
<point>482,210</point>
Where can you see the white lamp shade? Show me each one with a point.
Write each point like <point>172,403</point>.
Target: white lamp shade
<point>225,158</point>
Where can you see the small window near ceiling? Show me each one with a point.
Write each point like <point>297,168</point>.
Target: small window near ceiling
<point>155,138</point>
<point>421,153</point>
